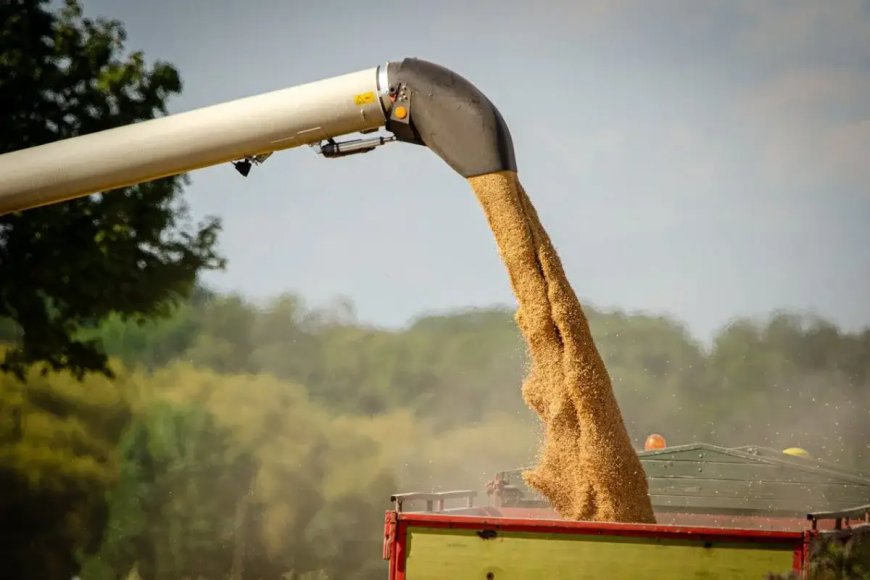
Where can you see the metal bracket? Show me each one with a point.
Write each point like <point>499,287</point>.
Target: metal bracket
<point>390,525</point>
<point>859,513</point>
<point>399,122</point>
<point>244,165</point>
<point>332,148</point>
<point>434,501</point>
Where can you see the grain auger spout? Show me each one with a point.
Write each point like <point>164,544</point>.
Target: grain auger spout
<point>414,101</point>
<point>433,106</point>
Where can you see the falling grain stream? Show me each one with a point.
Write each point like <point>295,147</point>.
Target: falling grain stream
<point>587,467</point>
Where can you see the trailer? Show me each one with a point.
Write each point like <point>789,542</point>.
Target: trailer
<point>748,512</point>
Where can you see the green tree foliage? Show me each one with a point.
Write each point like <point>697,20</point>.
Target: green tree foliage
<point>133,252</point>
<point>657,371</point>
<point>757,383</point>
<point>792,380</point>
<point>310,420</point>
<point>833,558</point>
<point>57,459</point>
<point>242,475</point>
<point>180,477</point>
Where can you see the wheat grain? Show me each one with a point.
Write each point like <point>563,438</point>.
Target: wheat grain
<point>587,467</point>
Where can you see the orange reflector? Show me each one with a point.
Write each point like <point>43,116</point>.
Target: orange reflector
<point>654,441</point>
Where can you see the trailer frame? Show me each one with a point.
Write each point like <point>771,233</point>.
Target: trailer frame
<point>397,525</point>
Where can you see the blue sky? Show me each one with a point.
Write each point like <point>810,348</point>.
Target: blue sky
<point>704,159</point>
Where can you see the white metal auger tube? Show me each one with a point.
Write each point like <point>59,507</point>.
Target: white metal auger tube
<point>418,101</point>
<point>174,144</point>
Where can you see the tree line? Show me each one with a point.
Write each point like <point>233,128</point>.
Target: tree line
<point>248,441</point>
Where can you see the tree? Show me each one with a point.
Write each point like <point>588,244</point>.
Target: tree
<point>171,515</point>
<point>241,476</point>
<point>225,341</point>
<point>133,252</point>
<point>57,460</point>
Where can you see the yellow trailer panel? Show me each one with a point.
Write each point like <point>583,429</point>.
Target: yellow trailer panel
<point>461,547</point>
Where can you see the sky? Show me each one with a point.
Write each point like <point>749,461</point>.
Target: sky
<point>699,159</point>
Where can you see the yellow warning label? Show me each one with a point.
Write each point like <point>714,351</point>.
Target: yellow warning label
<point>364,98</point>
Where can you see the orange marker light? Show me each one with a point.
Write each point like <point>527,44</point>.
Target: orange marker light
<point>654,441</point>
<point>401,112</point>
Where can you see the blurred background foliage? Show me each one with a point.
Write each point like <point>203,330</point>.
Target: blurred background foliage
<point>249,442</point>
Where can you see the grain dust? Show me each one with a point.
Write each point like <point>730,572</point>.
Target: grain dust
<point>587,467</point>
